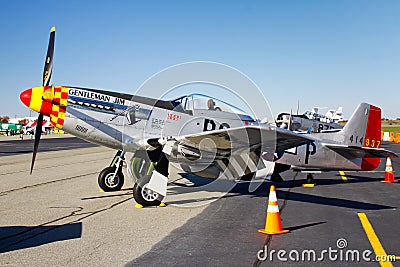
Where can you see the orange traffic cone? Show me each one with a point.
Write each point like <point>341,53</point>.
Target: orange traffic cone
<point>389,175</point>
<point>391,138</point>
<point>273,224</point>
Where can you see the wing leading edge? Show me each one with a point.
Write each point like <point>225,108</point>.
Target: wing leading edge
<point>270,139</point>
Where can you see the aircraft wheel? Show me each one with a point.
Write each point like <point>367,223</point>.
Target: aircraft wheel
<point>107,182</point>
<point>145,196</point>
<point>141,166</point>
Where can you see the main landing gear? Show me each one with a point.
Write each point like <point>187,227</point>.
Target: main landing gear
<point>111,178</point>
<point>143,165</point>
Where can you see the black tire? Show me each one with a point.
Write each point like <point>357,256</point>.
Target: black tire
<point>146,197</point>
<point>106,182</point>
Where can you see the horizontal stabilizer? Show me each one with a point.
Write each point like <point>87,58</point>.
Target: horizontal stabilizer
<point>361,152</point>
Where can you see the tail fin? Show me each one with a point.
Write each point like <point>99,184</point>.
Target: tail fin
<point>361,138</point>
<point>339,111</point>
<point>364,127</point>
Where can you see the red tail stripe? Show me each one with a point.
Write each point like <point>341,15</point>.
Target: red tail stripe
<point>372,137</point>
<point>373,132</point>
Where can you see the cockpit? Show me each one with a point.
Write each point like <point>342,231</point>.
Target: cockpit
<point>197,102</point>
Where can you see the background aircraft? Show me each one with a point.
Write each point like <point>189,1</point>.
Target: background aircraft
<point>203,135</point>
<point>311,121</point>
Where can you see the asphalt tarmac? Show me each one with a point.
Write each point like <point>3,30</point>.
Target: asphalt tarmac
<point>225,233</point>
<point>58,217</point>
<point>10,146</point>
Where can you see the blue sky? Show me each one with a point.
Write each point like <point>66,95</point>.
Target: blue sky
<point>322,53</point>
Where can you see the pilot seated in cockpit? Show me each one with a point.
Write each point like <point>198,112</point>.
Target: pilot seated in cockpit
<point>211,105</point>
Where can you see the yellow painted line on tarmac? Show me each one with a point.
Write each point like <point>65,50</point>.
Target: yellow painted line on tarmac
<point>373,239</point>
<point>344,178</point>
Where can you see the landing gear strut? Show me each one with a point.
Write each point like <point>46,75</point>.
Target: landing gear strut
<point>276,177</point>
<point>111,178</point>
<point>310,181</point>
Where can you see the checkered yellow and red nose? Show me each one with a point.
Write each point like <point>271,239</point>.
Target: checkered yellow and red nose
<point>47,100</point>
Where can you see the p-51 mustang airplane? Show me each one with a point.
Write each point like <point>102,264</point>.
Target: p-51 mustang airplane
<point>204,135</point>
<point>311,121</point>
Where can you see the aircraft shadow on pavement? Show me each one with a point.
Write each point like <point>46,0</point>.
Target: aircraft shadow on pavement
<point>330,201</point>
<point>323,180</point>
<point>195,180</point>
<point>263,191</point>
<point>288,183</point>
<point>21,237</point>
<point>321,200</point>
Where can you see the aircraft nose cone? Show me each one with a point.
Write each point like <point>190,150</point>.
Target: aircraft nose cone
<point>25,97</point>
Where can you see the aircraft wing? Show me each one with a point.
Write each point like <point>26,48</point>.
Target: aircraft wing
<point>361,152</point>
<point>271,139</point>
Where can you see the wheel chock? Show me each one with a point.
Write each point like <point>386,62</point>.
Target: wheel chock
<point>138,206</point>
<point>101,191</point>
<point>308,185</point>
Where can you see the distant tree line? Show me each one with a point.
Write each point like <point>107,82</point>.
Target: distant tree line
<point>4,119</point>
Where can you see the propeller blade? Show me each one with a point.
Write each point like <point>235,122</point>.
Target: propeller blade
<point>48,66</point>
<point>38,133</point>
<point>290,121</point>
